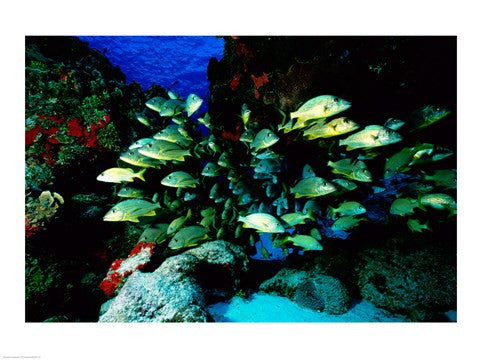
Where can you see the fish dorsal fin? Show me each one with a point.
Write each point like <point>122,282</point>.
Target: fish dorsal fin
<point>374,127</point>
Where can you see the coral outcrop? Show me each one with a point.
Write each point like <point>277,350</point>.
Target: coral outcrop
<point>179,290</point>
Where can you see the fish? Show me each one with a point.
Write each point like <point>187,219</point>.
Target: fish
<point>262,222</point>
<point>312,187</point>
<point>171,107</point>
<point>119,175</point>
<point>245,114</point>
<point>308,243</point>
<point>426,116</point>
<point>320,107</point>
<point>130,192</point>
<point>189,196</point>
<point>430,153</point>
<point>439,201</point>
<point>346,223</point>
<point>141,142</point>
<point>173,136</point>
<point>296,218</point>
<point>144,118</point>
<point>335,127</point>
<point>315,233</point>
<point>205,120</point>
<point>348,208</point>
<point>173,95</point>
<point>415,188</point>
<point>355,170</point>
<point>399,162</point>
<point>215,193</point>
<point>445,178</point>
<point>267,154</point>
<point>178,222</point>
<point>188,236</point>
<point>212,170</point>
<point>179,179</point>
<point>403,206</point>
<point>238,188</point>
<point>131,210</point>
<point>133,157</point>
<point>378,189</point>
<point>232,175</point>
<point>345,184</point>
<point>154,234</point>
<point>224,160</point>
<point>164,150</point>
<point>394,124</point>
<point>208,217</point>
<point>155,103</point>
<point>245,199</point>
<point>311,207</point>
<point>370,137</point>
<point>308,172</point>
<point>264,139</point>
<point>247,136</point>
<point>192,104</point>
<point>265,254</point>
<point>416,226</point>
<point>268,166</point>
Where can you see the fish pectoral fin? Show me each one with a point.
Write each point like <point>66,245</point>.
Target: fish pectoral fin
<point>349,148</point>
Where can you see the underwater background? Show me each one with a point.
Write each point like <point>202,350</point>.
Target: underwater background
<point>83,107</point>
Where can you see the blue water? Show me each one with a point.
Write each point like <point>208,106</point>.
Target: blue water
<point>163,60</point>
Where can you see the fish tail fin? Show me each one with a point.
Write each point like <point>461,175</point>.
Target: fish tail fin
<point>310,214</point>
<point>330,211</point>
<point>241,218</point>
<point>419,203</point>
<point>341,142</point>
<point>140,174</point>
<point>189,214</point>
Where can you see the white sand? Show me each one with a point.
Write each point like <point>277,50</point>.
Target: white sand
<point>270,308</point>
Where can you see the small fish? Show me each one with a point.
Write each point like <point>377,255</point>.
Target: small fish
<point>268,166</point>
<point>346,223</point>
<point>427,116</point>
<point>192,104</point>
<point>172,95</point>
<point>394,124</point>
<point>371,136</point>
<point>178,222</point>
<point>416,226</point>
<point>188,236</point>
<point>247,136</point>
<point>171,107</point>
<point>130,192</point>
<point>189,196</point>
<point>306,242</point>
<point>224,160</point>
<point>173,137</point>
<point>311,187</point>
<point>355,170</point>
<point>141,142</point>
<point>144,118</point>
<point>212,170</point>
<point>439,201</point>
<point>445,178</point>
<point>267,154</point>
<point>179,179</point>
<point>264,139</point>
<point>348,208</point>
<point>345,184</point>
<point>296,218</point>
<point>262,222</point>
<point>118,175</point>
<point>154,234</point>
<point>403,206</point>
<point>245,199</point>
<point>238,188</point>
<point>265,254</point>
<point>311,207</point>
<point>215,193</point>
<point>208,217</point>
<point>335,127</point>
<point>133,157</point>
<point>155,103</point>
<point>205,120</point>
<point>164,150</point>
<point>315,233</point>
<point>131,210</point>
<point>245,114</point>
<point>415,188</point>
<point>308,172</point>
<point>320,107</point>
<point>378,189</point>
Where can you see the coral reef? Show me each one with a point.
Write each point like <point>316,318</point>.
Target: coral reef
<point>180,288</point>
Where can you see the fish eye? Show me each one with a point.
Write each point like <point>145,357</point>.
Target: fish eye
<point>114,210</point>
<point>365,171</point>
<point>149,145</point>
<point>360,207</point>
<point>130,153</point>
<point>387,171</point>
<point>324,183</point>
<point>335,99</point>
<point>269,134</point>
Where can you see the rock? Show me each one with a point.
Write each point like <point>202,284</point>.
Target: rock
<point>179,290</point>
<point>309,289</point>
<point>420,284</point>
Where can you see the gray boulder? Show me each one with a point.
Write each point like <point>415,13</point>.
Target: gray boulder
<point>309,289</point>
<point>419,284</point>
<point>179,290</point>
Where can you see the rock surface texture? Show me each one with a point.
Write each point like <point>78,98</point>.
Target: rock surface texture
<point>308,289</point>
<point>180,289</point>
